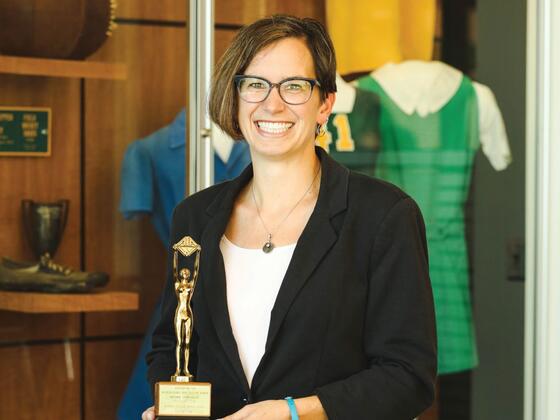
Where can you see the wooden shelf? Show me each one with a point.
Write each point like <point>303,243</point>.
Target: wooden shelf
<point>62,68</point>
<point>32,302</point>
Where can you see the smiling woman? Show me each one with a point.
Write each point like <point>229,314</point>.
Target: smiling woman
<point>282,121</point>
<point>313,298</point>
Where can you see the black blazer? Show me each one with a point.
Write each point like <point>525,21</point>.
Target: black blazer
<point>353,322</point>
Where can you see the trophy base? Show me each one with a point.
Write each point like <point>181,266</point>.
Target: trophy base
<point>180,399</point>
<point>177,378</point>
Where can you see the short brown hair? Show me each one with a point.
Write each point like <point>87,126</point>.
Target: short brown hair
<point>223,103</point>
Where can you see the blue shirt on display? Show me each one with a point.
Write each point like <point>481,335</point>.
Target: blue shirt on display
<point>153,183</point>
<point>153,174</point>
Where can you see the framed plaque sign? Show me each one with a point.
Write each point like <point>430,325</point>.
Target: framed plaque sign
<point>25,131</point>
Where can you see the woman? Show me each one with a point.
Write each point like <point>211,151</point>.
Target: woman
<point>313,280</point>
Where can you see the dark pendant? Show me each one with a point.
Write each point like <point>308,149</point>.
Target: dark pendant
<point>267,247</point>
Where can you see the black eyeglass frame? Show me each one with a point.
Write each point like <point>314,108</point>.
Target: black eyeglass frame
<point>313,82</point>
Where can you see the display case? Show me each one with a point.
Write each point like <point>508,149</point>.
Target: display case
<point>71,356</point>
<point>135,84</point>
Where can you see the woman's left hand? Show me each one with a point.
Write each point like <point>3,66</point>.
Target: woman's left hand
<point>264,410</point>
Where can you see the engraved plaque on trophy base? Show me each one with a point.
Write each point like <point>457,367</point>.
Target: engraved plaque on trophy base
<point>182,400</point>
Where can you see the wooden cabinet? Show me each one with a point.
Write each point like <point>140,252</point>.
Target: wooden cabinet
<point>70,365</point>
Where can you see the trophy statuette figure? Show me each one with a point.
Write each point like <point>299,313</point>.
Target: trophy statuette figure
<point>181,397</point>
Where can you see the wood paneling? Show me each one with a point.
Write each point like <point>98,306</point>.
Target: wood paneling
<point>94,301</point>
<point>40,382</point>
<point>106,374</point>
<point>117,113</point>
<point>24,327</point>
<point>167,10</point>
<point>438,31</point>
<point>236,12</point>
<point>43,381</point>
<point>61,68</point>
<point>222,39</point>
<point>241,12</point>
<point>42,179</point>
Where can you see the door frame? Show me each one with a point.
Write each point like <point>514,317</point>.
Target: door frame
<point>542,297</point>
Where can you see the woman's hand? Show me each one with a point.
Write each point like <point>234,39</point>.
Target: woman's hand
<point>264,410</point>
<point>308,408</point>
<point>149,414</point>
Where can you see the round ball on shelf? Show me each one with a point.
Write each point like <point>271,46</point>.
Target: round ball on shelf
<point>55,28</point>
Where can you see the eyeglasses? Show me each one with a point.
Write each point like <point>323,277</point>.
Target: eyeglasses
<point>293,90</point>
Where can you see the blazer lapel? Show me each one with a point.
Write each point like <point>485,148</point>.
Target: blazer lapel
<point>212,267</point>
<point>315,241</point>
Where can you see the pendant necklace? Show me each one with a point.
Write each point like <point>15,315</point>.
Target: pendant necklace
<point>268,245</point>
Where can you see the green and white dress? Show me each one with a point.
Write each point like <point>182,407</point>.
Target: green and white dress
<point>430,130</point>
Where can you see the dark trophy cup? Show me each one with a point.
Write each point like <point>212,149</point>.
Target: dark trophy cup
<point>44,224</point>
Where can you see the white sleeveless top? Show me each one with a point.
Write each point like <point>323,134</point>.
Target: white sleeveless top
<point>253,280</point>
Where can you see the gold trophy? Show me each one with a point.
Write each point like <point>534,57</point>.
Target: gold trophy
<point>181,397</point>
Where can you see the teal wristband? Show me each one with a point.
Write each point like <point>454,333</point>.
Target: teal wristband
<point>292,407</point>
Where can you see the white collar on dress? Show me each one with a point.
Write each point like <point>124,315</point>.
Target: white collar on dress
<point>345,96</point>
<point>419,86</point>
<point>221,142</point>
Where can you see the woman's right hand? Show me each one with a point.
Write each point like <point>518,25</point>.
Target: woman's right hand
<point>149,414</point>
